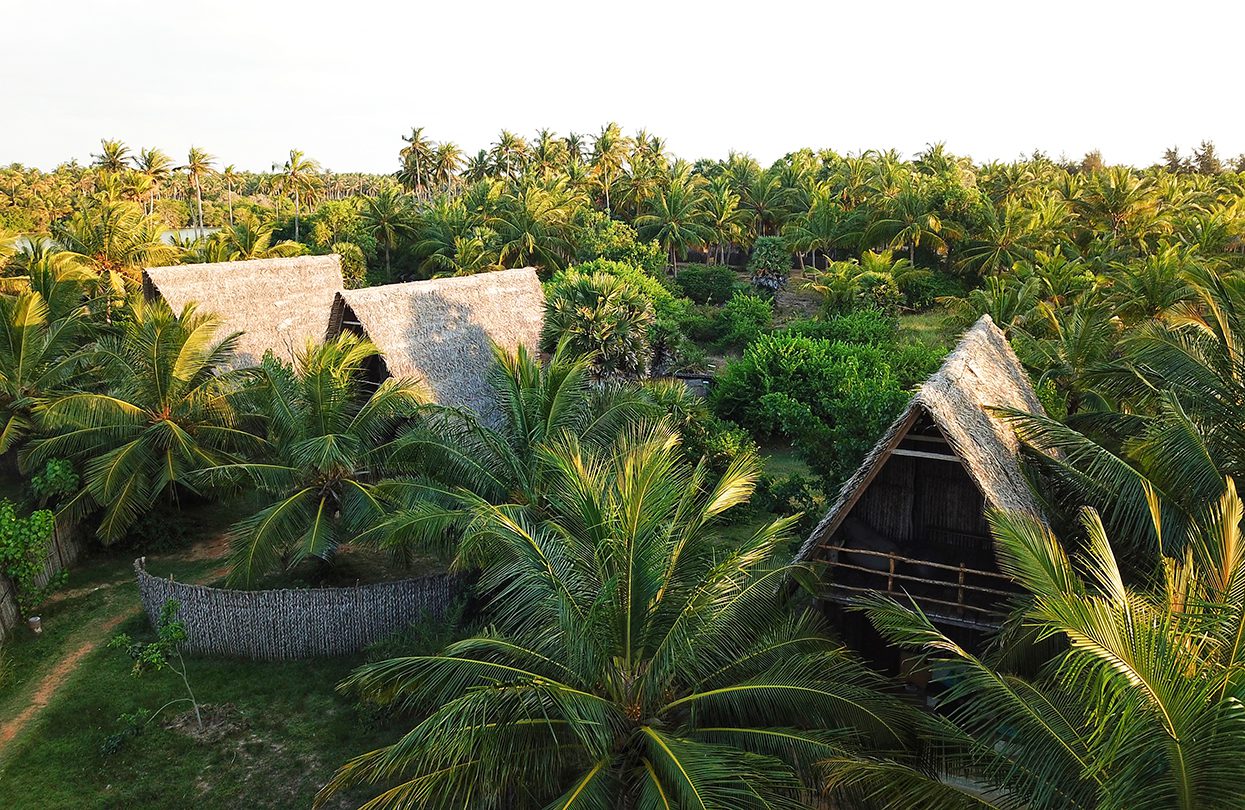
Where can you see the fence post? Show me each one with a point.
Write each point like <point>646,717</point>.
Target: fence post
<point>890,577</point>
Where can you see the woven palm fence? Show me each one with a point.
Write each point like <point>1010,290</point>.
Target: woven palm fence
<point>294,623</point>
<point>66,546</point>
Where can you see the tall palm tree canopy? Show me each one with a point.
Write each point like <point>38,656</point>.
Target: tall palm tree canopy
<point>632,659</point>
<point>169,412</point>
<point>325,460</point>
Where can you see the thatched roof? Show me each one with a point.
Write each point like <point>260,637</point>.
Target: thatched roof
<point>981,373</point>
<point>442,331</point>
<point>277,304</point>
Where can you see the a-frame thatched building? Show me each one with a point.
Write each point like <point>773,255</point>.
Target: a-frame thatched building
<point>911,520</point>
<point>442,332</point>
<point>277,304</point>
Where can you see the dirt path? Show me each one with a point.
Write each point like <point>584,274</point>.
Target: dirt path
<point>89,638</point>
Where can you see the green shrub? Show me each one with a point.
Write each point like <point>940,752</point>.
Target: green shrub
<point>923,291</point>
<point>912,363</point>
<point>354,263</point>
<point>702,323</point>
<point>866,326</point>
<point>602,316</point>
<point>744,317</point>
<point>707,283</point>
<point>57,479</point>
<point>770,263</point>
<point>603,238</point>
<point>830,399</point>
<point>795,493</point>
<point>24,543</point>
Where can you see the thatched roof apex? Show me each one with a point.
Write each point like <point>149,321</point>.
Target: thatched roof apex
<point>278,304</point>
<point>442,331</point>
<point>980,374</point>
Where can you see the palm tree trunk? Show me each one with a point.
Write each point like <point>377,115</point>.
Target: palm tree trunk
<point>199,199</point>
<point>295,215</point>
<point>229,198</point>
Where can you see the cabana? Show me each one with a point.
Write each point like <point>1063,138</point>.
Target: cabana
<point>442,332</point>
<point>911,520</point>
<point>277,304</point>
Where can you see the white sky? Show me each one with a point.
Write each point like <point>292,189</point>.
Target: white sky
<point>249,79</point>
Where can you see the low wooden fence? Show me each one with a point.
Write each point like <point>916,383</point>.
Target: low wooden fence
<point>68,543</point>
<point>297,622</point>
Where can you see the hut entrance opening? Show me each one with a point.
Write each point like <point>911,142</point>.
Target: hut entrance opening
<point>375,371</point>
<point>918,531</point>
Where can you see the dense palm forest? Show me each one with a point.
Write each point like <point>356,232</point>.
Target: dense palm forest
<point>639,638</point>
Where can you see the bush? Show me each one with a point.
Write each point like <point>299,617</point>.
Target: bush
<point>718,441</point>
<point>354,264</point>
<point>744,318</point>
<point>24,545</point>
<point>830,399</point>
<point>770,263</point>
<point>707,283</point>
<point>923,290</point>
<point>601,316</point>
<point>869,327</point>
<point>603,238</point>
<point>912,363</point>
<point>795,493</point>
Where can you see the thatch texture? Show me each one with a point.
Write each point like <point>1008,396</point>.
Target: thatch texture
<point>278,304</point>
<point>980,374</point>
<point>441,332</point>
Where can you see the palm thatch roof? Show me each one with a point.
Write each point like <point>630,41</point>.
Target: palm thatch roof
<point>980,374</point>
<point>442,331</point>
<point>278,304</point>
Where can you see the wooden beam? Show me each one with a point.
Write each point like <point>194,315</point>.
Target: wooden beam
<point>901,451</point>
<point>917,437</point>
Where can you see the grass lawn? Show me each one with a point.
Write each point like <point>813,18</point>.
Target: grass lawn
<point>931,326</point>
<point>288,729</point>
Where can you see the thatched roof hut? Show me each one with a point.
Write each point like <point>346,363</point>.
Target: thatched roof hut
<point>921,492</point>
<point>278,304</point>
<point>442,331</point>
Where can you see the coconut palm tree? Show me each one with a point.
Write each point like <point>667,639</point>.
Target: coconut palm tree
<point>156,167</point>
<point>198,166</point>
<point>301,176</point>
<point>325,458</point>
<point>1140,706</point>
<point>537,404</point>
<point>114,156</point>
<point>417,158</point>
<point>724,218</point>
<point>248,238</point>
<point>171,409</point>
<point>609,155</point>
<point>675,215</point>
<point>230,175</point>
<point>909,220</point>
<point>113,239</point>
<point>41,350</point>
<point>387,218</point>
<point>631,660</point>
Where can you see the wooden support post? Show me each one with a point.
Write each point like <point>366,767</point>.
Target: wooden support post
<point>890,579</point>
<point>960,595</point>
